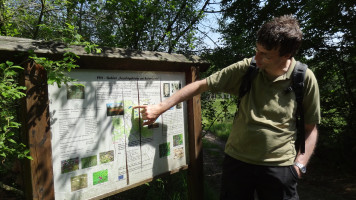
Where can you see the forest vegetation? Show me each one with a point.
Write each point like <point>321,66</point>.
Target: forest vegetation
<point>179,26</point>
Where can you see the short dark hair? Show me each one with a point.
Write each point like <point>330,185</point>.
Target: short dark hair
<point>281,32</point>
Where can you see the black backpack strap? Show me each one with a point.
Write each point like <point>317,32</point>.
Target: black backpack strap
<point>247,80</point>
<point>298,88</point>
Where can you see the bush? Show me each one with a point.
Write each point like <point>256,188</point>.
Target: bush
<point>10,93</point>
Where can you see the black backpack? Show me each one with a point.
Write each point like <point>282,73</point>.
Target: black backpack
<point>297,86</point>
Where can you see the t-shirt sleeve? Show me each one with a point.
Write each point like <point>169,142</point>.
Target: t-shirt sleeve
<point>228,80</point>
<point>311,101</point>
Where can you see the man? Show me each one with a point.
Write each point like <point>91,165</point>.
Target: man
<point>260,152</point>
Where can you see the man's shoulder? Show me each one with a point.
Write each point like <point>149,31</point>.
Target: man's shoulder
<point>310,77</point>
<point>241,65</point>
<point>229,78</point>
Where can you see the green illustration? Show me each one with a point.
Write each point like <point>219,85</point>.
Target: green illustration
<point>119,129</point>
<point>137,122</point>
<point>129,124</point>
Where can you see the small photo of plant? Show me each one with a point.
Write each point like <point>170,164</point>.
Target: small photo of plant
<point>164,150</point>
<point>69,165</point>
<point>178,153</point>
<point>89,161</point>
<point>106,157</point>
<point>79,182</point>
<point>75,92</point>
<point>100,177</point>
<point>177,140</point>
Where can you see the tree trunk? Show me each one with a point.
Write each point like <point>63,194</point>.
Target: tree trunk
<point>39,22</point>
<point>2,18</point>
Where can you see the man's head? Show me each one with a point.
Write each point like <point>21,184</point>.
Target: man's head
<point>282,34</point>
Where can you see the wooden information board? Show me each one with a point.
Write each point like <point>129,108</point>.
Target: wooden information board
<point>85,137</point>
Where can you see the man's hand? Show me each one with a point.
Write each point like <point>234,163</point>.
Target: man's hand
<point>299,174</point>
<point>149,113</point>
<point>311,136</point>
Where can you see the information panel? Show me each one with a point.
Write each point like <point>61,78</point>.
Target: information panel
<point>98,143</point>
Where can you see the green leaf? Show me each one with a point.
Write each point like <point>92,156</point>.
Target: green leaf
<point>51,81</point>
<point>12,141</point>
<point>9,63</point>
<point>16,67</point>
<point>26,151</point>
<point>29,157</point>
<point>87,49</point>
<point>4,94</point>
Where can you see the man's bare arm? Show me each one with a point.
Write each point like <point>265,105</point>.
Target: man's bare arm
<point>311,136</point>
<point>150,113</point>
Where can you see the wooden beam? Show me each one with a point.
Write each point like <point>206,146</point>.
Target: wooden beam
<point>195,170</point>
<point>9,46</point>
<point>36,131</point>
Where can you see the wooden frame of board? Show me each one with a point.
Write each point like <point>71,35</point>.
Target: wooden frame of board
<point>38,173</point>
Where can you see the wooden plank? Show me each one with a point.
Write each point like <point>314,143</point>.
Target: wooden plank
<point>48,49</point>
<point>39,175</point>
<point>195,170</point>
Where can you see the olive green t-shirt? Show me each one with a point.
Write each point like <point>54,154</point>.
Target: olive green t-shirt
<point>264,131</point>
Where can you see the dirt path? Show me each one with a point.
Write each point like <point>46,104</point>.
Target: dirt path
<point>321,182</point>
<point>213,154</point>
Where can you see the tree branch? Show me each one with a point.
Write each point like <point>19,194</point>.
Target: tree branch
<point>170,25</point>
<point>188,27</point>
<point>204,33</point>
<point>11,189</point>
<point>213,11</point>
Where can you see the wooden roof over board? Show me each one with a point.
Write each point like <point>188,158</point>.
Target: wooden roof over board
<point>110,58</point>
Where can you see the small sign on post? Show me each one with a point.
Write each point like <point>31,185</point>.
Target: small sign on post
<point>87,141</point>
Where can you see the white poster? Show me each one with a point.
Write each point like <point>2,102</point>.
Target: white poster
<point>98,142</point>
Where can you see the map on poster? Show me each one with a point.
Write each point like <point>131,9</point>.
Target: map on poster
<point>98,142</point>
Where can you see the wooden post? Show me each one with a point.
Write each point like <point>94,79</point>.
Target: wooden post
<point>195,169</point>
<point>37,135</point>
